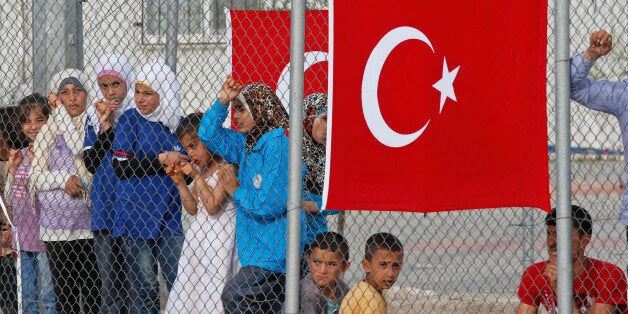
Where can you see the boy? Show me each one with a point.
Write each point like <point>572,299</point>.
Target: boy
<point>322,290</point>
<point>383,258</point>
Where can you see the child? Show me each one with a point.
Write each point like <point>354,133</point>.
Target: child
<point>61,182</point>
<point>208,257</point>
<point>148,203</point>
<point>260,150</point>
<point>322,289</point>
<point>33,112</point>
<point>314,140</point>
<point>114,95</point>
<point>383,258</point>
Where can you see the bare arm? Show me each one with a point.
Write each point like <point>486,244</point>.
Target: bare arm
<point>527,309</point>
<point>187,197</point>
<point>213,198</point>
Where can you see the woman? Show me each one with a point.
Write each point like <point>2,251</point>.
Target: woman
<point>61,183</point>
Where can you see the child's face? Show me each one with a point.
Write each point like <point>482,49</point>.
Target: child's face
<point>319,129</point>
<point>74,99</point>
<point>243,117</point>
<point>33,123</point>
<point>112,87</point>
<point>146,99</point>
<point>383,269</point>
<point>326,266</point>
<point>195,149</point>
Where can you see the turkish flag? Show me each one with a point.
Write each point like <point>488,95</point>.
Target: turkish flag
<point>260,49</point>
<point>437,105</point>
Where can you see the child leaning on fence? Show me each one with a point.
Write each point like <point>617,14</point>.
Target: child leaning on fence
<point>148,203</point>
<point>208,257</point>
<point>383,258</point>
<point>260,150</point>
<point>61,183</point>
<point>37,287</point>
<point>114,94</point>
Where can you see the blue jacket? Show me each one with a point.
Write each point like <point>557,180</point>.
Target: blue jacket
<point>261,216</point>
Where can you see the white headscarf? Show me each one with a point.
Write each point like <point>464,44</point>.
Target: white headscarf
<point>164,82</point>
<point>112,64</point>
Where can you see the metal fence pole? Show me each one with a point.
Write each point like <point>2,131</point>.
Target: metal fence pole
<point>74,37</point>
<point>528,237</point>
<point>172,31</point>
<point>563,163</point>
<point>297,44</point>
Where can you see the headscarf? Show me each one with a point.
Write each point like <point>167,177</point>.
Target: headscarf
<point>267,111</point>
<point>60,123</point>
<point>313,152</point>
<point>164,82</point>
<point>119,66</point>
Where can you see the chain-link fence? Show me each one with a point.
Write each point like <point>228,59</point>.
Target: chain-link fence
<point>111,226</point>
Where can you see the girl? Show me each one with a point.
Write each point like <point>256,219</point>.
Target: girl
<point>260,150</point>
<point>148,203</point>
<point>208,257</point>
<point>33,112</point>
<point>314,138</point>
<point>115,77</point>
<point>61,182</point>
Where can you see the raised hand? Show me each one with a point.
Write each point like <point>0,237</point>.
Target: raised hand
<point>600,44</point>
<point>53,101</point>
<point>229,91</point>
<point>189,170</point>
<point>15,158</point>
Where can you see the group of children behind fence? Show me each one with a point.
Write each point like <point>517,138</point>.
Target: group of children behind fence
<point>97,196</point>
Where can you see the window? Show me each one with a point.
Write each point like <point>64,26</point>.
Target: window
<point>199,21</point>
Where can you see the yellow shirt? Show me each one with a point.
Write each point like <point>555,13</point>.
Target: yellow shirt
<point>363,298</point>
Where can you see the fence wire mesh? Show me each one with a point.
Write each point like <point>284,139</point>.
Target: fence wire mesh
<point>124,234</point>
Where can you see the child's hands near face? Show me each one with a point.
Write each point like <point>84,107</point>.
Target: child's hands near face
<point>189,170</point>
<point>54,101</point>
<point>171,158</point>
<point>104,113</point>
<point>229,91</point>
<point>174,171</point>
<point>15,158</point>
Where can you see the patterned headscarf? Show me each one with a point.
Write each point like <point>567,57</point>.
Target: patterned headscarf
<point>267,111</point>
<point>313,153</point>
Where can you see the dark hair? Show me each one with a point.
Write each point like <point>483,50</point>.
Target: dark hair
<point>331,241</point>
<point>379,241</point>
<point>189,125</point>
<point>30,103</point>
<point>580,219</point>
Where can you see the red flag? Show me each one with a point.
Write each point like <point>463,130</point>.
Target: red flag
<point>437,105</point>
<point>260,49</point>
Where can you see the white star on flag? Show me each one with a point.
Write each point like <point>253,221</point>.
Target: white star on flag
<point>446,85</point>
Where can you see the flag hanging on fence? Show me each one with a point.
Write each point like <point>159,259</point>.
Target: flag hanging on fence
<point>437,105</point>
<point>260,49</point>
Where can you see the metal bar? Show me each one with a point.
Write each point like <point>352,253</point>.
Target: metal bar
<point>297,44</point>
<point>563,162</point>
<point>172,32</point>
